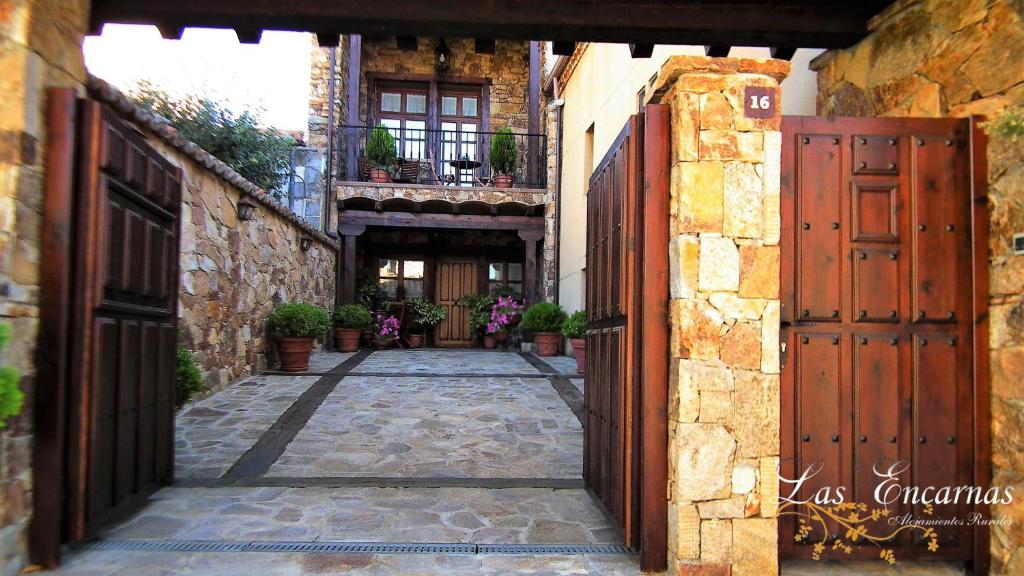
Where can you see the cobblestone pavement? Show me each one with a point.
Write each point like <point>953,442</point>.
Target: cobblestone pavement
<point>562,364</point>
<point>429,515</point>
<point>438,427</point>
<point>433,361</point>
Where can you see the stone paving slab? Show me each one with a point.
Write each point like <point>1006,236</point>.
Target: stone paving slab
<point>578,383</point>
<point>325,360</point>
<point>427,515</point>
<point>212,433</point>
<point>112,562</point>
<point>562,364</point>
<point>438,427</point>
<point>441,361</point>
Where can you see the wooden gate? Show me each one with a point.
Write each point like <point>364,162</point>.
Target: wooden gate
<point>626,398</point>
<point>883,304</point>
<point>111,307</point>
<point>455,280</point>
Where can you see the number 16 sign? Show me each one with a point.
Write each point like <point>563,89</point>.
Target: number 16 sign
<point>759,102</point>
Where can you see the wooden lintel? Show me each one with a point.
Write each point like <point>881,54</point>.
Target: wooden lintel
<point>406,43</point>
<point>783,52</point>
<point>328,39</point>
<point>717,51</point>
<point>249,36</point>
<point>410,220</point>
<point>641,50</point>
<point>563,48</point>
<point>484,45</point>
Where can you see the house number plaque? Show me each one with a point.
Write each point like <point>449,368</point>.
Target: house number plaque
<point>759,102</point>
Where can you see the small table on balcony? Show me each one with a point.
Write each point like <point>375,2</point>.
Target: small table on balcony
<point>464,164</point>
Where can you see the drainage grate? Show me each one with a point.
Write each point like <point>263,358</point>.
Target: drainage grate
<point>552,549</point>
<point>351,547</point>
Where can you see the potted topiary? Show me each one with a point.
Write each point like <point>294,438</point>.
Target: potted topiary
<point>545,320</point>
<point>380,151</point>
<point>426,314</point>
<point>296,327</point>
<point>349,322</point>
<point>575,328</point>
<point>503,157</point>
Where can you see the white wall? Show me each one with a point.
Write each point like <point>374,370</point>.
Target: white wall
<point>603,91</point>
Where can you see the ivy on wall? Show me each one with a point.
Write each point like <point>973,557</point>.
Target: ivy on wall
<point>11,397</point>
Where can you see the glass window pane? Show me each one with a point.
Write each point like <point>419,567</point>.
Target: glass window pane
<point>515,271</point>
<point>416,103</point>
<point>469,106</point>
<point>390,286</point>
<point>448,105</point>
<point>388,268</point>
<point>390,102</point>
<point>413,269</point>
<point>494,272</point>
<point>413,288</point>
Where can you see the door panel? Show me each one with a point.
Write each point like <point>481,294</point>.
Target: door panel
<point>876,296</point>
<point>455,280</point>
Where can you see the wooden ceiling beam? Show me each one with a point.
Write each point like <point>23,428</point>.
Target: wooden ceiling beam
<point>406,43</point>
<point>783,52</point>
<point>805,23</point>
<point>328,39</point>
<point>249,36</point>
<point>560,48</point>
<point>717,51</point>
<point>641,50</point>
<point>170,31</point>
<point>485,45</point>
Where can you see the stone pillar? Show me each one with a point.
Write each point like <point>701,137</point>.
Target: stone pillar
<point>724,257</point>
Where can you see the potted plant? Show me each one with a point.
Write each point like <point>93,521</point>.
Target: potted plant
<point>426,314</point>
<point>503,157</point>
<point>371,296</point>
<point>349,322</point>
<point>575,328</point>
<point>296,327</point>
<point>380,151</point>
<point>480,306</point>
<point>502,314</point>
<point>545,320</point>
<point>385,331</point>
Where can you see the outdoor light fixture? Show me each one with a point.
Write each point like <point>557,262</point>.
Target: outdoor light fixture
<point>305,243</point>
<point>444,58</point>
<point>246,210</point>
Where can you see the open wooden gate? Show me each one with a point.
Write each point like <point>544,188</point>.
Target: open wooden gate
<point>884,296</point>
<point>108,324</point>
<point>626,396</point>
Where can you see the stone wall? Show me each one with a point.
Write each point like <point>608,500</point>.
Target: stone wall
<point>40,47</point>
<point>724,405</point>
<point>957,58</point>
<point>319,89</point>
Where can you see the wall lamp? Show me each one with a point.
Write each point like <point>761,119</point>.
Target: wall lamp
<point>305,243</point>
<point>246,210</point>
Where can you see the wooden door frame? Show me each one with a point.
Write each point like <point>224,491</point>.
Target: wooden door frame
<point>974,167</point>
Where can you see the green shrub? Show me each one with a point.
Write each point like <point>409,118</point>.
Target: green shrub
<point>380,149</point>
<point>190,379</point>
<point>11,396</point>
<point>298,320</point>
<point>352,316</point>
<point>426,313</point>
<point>544,317</point>
<point>575,326</point>
<point>503,152</point>
<point>1009,124</point>
<point>480,306</point>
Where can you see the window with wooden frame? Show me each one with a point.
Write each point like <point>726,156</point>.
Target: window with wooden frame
<point>402,109</point>
<point>460,127</point>
<point>505,277</point>
<point>400,279</point>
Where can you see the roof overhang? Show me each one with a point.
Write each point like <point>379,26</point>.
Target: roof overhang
<point>405,213</point>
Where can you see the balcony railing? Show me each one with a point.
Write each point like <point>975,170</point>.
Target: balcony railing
<point>442,157</point>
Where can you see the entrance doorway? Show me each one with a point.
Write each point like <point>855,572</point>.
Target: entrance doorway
<point>455,279</point>
<point>883,275</point>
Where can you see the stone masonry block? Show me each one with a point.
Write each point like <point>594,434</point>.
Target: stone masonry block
<point>704,462</point>
<point>744,213</point>
<point>697,197</point>
<point>719,265</point>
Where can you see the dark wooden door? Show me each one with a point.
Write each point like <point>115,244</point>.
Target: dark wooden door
<point>455,280</point>
<point>625,398</point>
<point>878,313</point>
<point>121,333</point>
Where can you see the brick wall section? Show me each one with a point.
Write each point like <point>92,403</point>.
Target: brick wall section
<point>959,58</point>
<point>40,47</point>
<point>724,257</point>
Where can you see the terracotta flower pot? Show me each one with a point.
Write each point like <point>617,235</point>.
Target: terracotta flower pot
<point>579,349</point>
<point>490,341</point>
<point>501,337</point>
<point>502,180</point>
<point>347,339</point>
<point>382,343</point>
<point>547,343</point>
<point>379,175</point>
<point>514,320</point>
<point>294,353</point>
<point>415,340</point>
<point>366,337</point>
